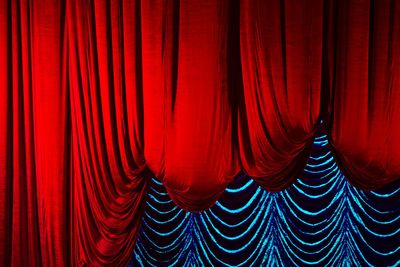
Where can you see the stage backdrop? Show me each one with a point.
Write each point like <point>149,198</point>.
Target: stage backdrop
<point>320,220</point>
<point>97,97</point>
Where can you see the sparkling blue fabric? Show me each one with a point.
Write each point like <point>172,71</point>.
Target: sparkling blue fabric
<point>321,220</point>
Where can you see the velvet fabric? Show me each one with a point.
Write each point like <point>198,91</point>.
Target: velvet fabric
<point>364,67</point>
<point>193,89</point>
<point>281,54</point>
<point>34,135</point>
<point>108,167</point>
<point>96,97</point>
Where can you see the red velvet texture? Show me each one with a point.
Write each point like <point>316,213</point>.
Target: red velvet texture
<point>98,96</point>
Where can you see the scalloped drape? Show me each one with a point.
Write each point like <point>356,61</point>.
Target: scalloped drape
<point>363,75</point>
<point>281,54</point>
<point>96,97</point>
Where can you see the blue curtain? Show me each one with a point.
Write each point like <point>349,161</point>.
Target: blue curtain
<point>321,220</point>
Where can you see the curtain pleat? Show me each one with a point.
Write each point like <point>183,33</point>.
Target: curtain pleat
<point>108,166</point>
<point>159,30</point>
<point>281,53</point>
<point>34,139</point>
<point>364,69</point>
<point>96,97</point>
<point>199,156</point>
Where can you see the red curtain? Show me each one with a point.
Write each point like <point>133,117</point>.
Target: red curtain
<point>34,142</point>
<point>198,157</point>
<point>109,186</point>
<point>72,174</point>
<point>189,77</point>
<point>364,68</point>
<point>281,53</point>
<point>98,96</point>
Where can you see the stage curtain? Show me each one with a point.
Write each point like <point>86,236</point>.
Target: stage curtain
<point>191,61</point>
<point>97,96</point>
<point>34,137</point>
<point>199,157</point>
<point>108,168</point>
<point>158,27</point>
<point>364,68</point>
<point>282,55</point>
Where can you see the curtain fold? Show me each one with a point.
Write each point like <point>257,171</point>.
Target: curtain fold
<point>199,157</point>
<point>189,97</point>
<point>159,25</point>
<point>109,173</point>
<point>281,53</point>
<point>98,96</point>
<point>33,136</point>
<point>364,67</point>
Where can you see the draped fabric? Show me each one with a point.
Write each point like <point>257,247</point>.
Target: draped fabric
<point>319,220</point>
<point>72,169</point>
<point>187,118</point>
<point>109,184</point>
<point>281,53</point>
<point>34,138</point>
<point>98,96</point>
<point>364,69</point>
<point>199,159</point>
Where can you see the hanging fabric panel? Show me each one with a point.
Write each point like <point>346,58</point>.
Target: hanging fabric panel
<point>109,182</point>
<point>34,139</point>
<point>364,78</point>
<point>281,53</point>
<point>199,156</point>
